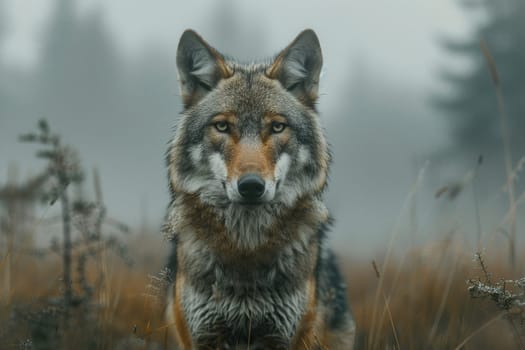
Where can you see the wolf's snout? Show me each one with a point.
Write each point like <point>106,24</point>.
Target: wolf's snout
<point>251,186</point>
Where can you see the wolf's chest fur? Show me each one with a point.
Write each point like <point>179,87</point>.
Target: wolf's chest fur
<point>245,293</point>
<point>244,297</point>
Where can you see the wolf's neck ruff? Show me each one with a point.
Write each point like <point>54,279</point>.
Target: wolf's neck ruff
<point>235,229</point>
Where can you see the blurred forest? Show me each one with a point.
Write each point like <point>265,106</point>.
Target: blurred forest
<point>471,104</point>
<point>119,109</point>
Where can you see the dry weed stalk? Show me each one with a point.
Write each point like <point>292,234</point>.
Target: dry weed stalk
<point>387,307</point>
<point>377,319</point>
<point>63,168</point>
<point>17,210</point>
<point>507,294</point>
<point>506,150</point>
<point>83,222</point>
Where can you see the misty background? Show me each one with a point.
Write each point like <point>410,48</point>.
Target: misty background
<point>405,89</point>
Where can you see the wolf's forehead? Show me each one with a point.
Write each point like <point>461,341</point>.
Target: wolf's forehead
<point>249,92</point>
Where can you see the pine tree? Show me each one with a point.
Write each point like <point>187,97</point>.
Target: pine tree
<point>56,69</point>
<point>78,72</point>
<point>472,105</point>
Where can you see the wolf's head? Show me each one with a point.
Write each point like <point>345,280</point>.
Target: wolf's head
<point>249,136</point>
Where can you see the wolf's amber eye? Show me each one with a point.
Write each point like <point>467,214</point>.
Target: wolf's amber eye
<point>278,127</point>
<point>222,126</point>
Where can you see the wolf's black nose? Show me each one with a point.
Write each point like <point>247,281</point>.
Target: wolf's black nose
<point>251,186</point>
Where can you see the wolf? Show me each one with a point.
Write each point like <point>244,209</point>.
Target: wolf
<point>247,167</point>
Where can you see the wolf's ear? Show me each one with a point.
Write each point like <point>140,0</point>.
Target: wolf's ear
<point>200,67</point>
<point>298,67</point>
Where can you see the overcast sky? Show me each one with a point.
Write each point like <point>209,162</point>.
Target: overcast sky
<point>384,31</point>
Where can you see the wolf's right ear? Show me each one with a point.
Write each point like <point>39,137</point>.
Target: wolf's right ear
<point>298,67</point>
<point>200,67</point>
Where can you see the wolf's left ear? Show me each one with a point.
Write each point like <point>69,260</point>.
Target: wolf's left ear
<point>298,67</point>
<point>200,67</point>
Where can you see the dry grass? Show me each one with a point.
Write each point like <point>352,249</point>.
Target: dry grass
<point>127,310</point>
<point>424,301</point>
<point>426,294</point>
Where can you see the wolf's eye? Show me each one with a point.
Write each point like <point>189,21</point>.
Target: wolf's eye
<point>222,126</point>
<point>278,127</point>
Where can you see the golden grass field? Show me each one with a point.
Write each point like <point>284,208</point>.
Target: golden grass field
<point>418,300</point>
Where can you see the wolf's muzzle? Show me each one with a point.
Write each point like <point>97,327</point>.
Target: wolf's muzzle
<point>251,187</point>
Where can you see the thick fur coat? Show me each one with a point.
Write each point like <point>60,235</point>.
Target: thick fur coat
<point>247,169</point>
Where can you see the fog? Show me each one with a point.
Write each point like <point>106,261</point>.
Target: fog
<point>103,74</point>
